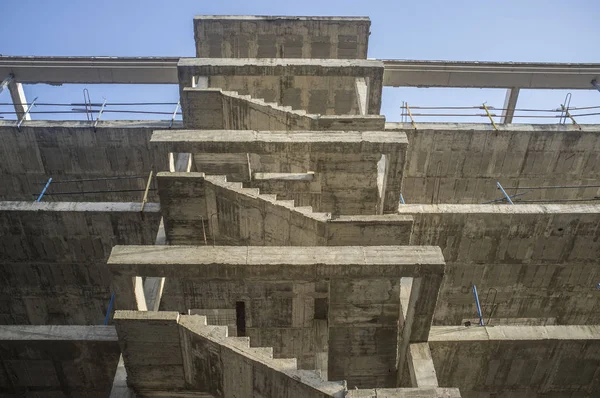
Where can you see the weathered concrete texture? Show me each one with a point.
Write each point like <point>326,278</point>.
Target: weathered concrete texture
<point>541,259</point>
<point>217,109</point>
<point>420,366</point>
<point>52,257</point>
<point>57,361</point>
<point>405,393</point>
<point>72,150</point>
<point>233,36</point>
<point>461,163</point>
<point>194,356</point>
<point>324,86</point>
<point>198,207</point>
<point>518,361</point>
<point>364,286</point>
<point>345,161</point>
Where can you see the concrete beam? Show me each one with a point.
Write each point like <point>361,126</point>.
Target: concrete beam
<point>289,264</point>
<point>402,73</point>
<point>510,103</point>
<point>90,70</point>
<point>397,73</point>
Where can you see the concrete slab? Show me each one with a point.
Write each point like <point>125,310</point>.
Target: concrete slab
<point>461,163</point>
<point>52,257</point>
<point>509,361</point>
<point>539,260</point>
<point>72,150</point>
<point>58,361</point>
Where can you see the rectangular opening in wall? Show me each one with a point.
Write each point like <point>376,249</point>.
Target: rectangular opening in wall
<point>240,318</point>
<point>321,308</point>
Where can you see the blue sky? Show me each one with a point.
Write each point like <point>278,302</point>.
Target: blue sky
<point>508,30</point>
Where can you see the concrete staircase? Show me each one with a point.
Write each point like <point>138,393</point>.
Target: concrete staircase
<point>232,353</point>
<point>270,200</point>
<point>229,110</point>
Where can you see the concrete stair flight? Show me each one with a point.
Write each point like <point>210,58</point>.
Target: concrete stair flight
<point>224,109</point>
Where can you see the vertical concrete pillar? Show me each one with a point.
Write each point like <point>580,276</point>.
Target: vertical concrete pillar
<point>420,366</point>
<point>129,293</point>
<point>363,332</point>
<point>415,326</point>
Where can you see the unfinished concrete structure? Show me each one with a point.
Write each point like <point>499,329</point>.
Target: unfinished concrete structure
<point>283,240</point>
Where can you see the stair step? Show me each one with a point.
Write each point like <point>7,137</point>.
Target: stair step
<point>251,191</point>
<point>266,352</point>
<point>217,331</point>
<point>286,363</point>
<point>286,203</point>
<point>240,342</point>
<point>304,209</point>
<point>269,197</point>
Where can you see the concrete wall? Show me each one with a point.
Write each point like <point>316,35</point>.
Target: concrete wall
<point>217,109</point>
<point>331,95</point>
<point>57,361</point>
<point>345,161</point>
<point>73,150</point>
<point>324,86</point>
<point>541,259</point>
<point>458,163</point>
<point>518,361</point>
<point>53,255</point>
<point>281,37</point>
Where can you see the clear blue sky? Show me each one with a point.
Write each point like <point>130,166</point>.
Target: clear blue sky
<point>507,30</point>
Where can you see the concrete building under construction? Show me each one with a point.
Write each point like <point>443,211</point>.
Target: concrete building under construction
<point>281,239</point>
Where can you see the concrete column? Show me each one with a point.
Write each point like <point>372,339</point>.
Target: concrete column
<point>510,103</point>
<point>392,180</point>
<point>18,98</point>
<point>363,332</point>
<point>415,326</point>
<point>120,388</point>
<point>129,293</point>
<point>420,366</point>
<point>362,95</point>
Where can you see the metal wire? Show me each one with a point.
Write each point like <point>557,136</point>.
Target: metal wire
<point>557,187</point>
<point>85,192</point>
<point>98,179</point>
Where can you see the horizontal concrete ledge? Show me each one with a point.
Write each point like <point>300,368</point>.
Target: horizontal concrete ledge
<point>284,176</point>
<point>57,333</point>
<point>244,141</point>
<point>123,70</point>
<point>486,127</point>
<point>279,66</point>
<point>279,18</point>
<point>416,73</point>
<point>498,209</point>
<point>485,333</point>
<point>102,124</point>
<point>94,207</point>
<point>277,263</point>
<point>385,219</point>
<point>404,393</point>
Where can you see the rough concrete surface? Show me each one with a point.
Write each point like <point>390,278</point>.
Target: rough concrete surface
<point>57,361</point>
